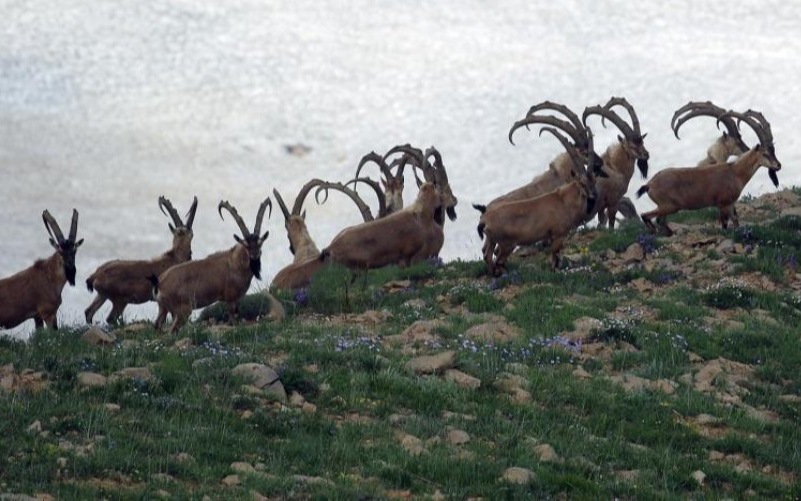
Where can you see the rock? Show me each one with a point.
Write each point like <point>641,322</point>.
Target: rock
<point>431,364</point>
<point>633,384</point>
<point>762,415</point>
<point>412,445</point>
<point>308,408</point>
<point>789,399</point>
<point>183,457</point>
<point>493,332</point>
<point>547,454</point>
<point>580,373</point>
<point>517,475</point>
<point>183,344</point>
<point>231,481</point>
<point>98,337</point>
<point>629,475</point>
<point>642,285</point>
<point>91,380</point>
<point>716,456</point>
<point>311,368</point>
<point>633,254</point>
<point>706,419</point>
<point>112,407</point>
<point>462,379</point>
<point>246,414</point>
<point>263,378</point>
<point>415,304</point>
<point>397,286</point>
<point>698,476</point>
<point>583,329</point>
<point>422,331</point>
<point>296,399</point>
<point>458,437</point>
<point>35,427</point>
<point>726,247</point>
<point>137,373</point>
<point>162,477</point>
<point>791,211</point>
<point>303,479</point>
<point>242,467</point>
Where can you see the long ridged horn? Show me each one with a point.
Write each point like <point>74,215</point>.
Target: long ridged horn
<point>165,204</point>
<point>611,116</point>
<point>297,207</point>
<point>621,101</point>
<point>52,227</point>
<point>417,156</point>
<point>578,137</point>
<point>764,139</point>
<point>378,160</point>
<point>564,110</point>
<point>260,216</point>
<point>578,162</point>
<point>379,193</point>
<point>237,218</point>
<point>709,109</point>
<point>281,204</point>
<point>190,216</point>
<point>363,208</point>
<point>74,226</point>
<point>759,117</point>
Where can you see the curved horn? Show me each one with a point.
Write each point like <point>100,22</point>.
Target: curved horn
<point>260,215</point>
<point>560,108</point>
<point>281,204</point>
<point>611,116</point>
<point>578,162</point>
<point>764,140</point>
<point>417,155</point>
<point>439,168</point>
<point>759,117</point>
<point>363,208</point>
<point>706,108</point>
<point>190,216</point>
<point>231,210</point>
<point>165,204</point>
<point>74,226</point>
<point>52,227</point>
<point>378,160</point>
<point>302,194</point>
<point>382,199</point>
<point>549,120</point>
<point>621,101</point>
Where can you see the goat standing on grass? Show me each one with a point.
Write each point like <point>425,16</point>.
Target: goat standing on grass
<point>619,158</point>
<point>128,282</point>
<point>547,217</point>
<point>36,291</point>
<point>224,276</point>
<point>718,185</point>
<point>299,274</point>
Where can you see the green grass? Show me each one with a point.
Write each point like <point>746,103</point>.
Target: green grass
<point>364,397</point>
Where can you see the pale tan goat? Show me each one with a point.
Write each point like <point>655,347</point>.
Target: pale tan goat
<point>35,293</point>
<point>224,276</point>
<point>619,159</point>
<point>392,183</point>
<point>548,217</point>
<point>129,282</point>
<point>718,185</point>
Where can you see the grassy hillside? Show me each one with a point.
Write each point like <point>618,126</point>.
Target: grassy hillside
<point>645,368</point>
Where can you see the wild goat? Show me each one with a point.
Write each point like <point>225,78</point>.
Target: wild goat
<point>619,158</point>
<point>547,217</point>
<point>224,276</point>
<point>717,185</point>
<point>36,291</point>
<point>401,238</point>
<point>392,183</point>
<point>299,274</point>
<point>730,143</point>
<point>128,282</point>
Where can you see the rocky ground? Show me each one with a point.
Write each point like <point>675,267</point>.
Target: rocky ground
<point>646,367</point>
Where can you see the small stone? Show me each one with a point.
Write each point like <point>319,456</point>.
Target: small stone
<point>242,467</point>
<point>98,337</point>
<point>458,437</point>
<point>231,481</point>
<point>296,399</point>
<point>35,427</point>
<point>183,457</point>
<point>726,246</point>
<point>161,493</point>
<point>706,419</point>
<point>546,453</point>
<point>91,380</point>
<point>62,462</point>
<point>580,373</point>
<point>308,408</point>
<point>517,475</point>
<point>246,414</point>
<point>698,476</point>
<point>112,407</point>
<point>789,399</point>
<point>629,475</point>
<point>431,364</point>
<point>412,445</point>
<point>137,373</point>
<point>183,344</point>
<point>494,332</point>
<point>716,456</point>
<point>583,328</point>
<point>634,253</point>
<point>462,379</point>
<point>162,477</point>
<point>311,368</point>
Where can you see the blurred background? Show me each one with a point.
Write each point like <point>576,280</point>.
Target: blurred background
<point>107,104</point>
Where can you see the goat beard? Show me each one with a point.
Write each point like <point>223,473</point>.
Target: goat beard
<point>69,271</point>
<point>439,216</point>
<point>255,268</point>
<point>451,210</point>
<point>591,204</point>
<point>774,177</point>
<point>642,164</point>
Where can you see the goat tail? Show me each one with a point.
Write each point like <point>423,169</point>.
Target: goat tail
<point>481,208</point>
<point>480,228</point>
<point>642,191</point>
<point>90,283</point>
<point>154,283</point>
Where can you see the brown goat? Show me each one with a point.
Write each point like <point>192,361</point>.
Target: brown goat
<point>547,217</point>
<point>718,185</point>
<point>619,158</point>
<point>224,276</point>
<point>129,282</point>
<point>36,291</point>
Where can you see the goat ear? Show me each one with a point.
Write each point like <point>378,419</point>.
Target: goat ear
<point>725,134</point>
<point>79,243</point>
<point>644,135</point>
<point>54,244</point>
<point>303,216</point>
<point>620,138</point>
<point>238,240</point>
<point>264,237</point>
<point>171,227</point>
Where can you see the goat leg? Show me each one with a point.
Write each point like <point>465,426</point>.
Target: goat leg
<point>160,319</point>
<point>556,248</point>
<point>661,220</point>
<point>116,312</point>
<point>38,322</point>
<point>611,213</point>
<point>646,218</point>
<point>90,312</point>
<point>233,312</point>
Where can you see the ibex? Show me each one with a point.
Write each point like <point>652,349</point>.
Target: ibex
<point>717,185</point>
<point>128,282</point>
<point>392,183</point>
<point>299,274</point>
<point>36,291</point>
<point>619,158</point>
<point>546,217</point>
<point>224,276</point>
<point>401,238</point>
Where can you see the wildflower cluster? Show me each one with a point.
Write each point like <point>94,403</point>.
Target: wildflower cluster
<point>647,242</point>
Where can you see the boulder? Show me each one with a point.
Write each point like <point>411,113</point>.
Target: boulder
<point>462,379</point>
<point>98,337</point>
<point>431,364</point>
<point>91,380</point>
<point>263,378</point>
<point>517,475</point>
